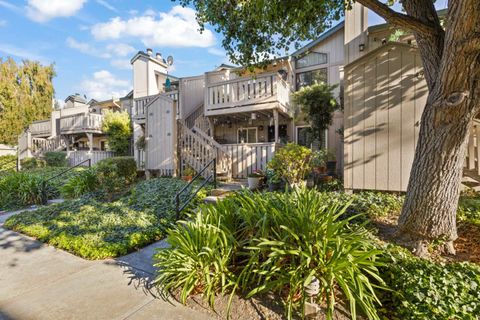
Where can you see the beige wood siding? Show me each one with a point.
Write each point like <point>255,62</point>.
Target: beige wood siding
<point>161,136</point>
<point>384,99</point>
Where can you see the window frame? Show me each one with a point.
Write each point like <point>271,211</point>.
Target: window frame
<point>247,128</point>
<point>297,87</point>
<point>325,142</point>
<point>311,65</point>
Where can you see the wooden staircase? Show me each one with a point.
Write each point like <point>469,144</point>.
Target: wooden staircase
<point>40,145</point>
<point>197,148</point>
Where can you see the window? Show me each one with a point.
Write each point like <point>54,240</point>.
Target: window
<point>304,137</point>
<point>311,59</point>
<point>247,135</point>
<point>311,77</point>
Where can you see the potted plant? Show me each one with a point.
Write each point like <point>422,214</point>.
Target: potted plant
<point>319,160</point>
<point>255,179</point>
<point>188,174</point>
<point>274,180</point>
<point>292,164</point>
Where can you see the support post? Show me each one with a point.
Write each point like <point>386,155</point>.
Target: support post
<point>90,142</point>
<point>275,119</point>
<point>212,127</point>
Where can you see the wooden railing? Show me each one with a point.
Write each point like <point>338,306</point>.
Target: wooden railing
<point>76,157</point>
<point>247,91</point>
<point>40,146</point>
<point>249,157</point>
<point>81,122</point>
<point>197,149</point>
<point>140,104</point>
<point>43,127</point>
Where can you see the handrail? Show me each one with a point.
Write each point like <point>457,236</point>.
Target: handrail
<point>208,138</point>
<point>241,79</point>
<point>44,182</point>
<point>178,208</point>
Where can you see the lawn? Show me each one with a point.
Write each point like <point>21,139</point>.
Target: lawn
<point>93,228</point>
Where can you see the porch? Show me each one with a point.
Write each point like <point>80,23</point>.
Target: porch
<point>80,123</point>
<point>41,128</point>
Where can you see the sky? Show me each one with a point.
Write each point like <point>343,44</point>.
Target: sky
<point>91,42</point>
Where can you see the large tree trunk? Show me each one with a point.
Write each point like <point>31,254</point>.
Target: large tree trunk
<point>451,61</point>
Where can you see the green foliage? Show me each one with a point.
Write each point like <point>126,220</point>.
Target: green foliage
<point>319,158</point>
<point>26,93</point>
<point>254,31</point>
<point>273,242</point>
<point>422,289</point>
<point>56,159</point>
<point>331,186</point>
<point>116,126</point>
<point>116,172</point>
<point>94,229</point>
<point>317,104</point>
<point>31,163</point>
<point>469,208</point>
<point>291,162</point>
<point>376,204</point>
<point>188,172</point>
<point>8,163</point>
<point>80,184</point>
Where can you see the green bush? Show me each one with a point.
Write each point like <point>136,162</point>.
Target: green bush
<point>376,204</point>
<point>56,159</point>
<point>8,163</point>
<point>31,163</point>
<point>116,172</point>
<point>21,189</point>
<point>292,163</point>
<point>469,208</point>
<point>80,184</point>
<point>117,127</point>
<point>422,289</point>
<point>273,242</point>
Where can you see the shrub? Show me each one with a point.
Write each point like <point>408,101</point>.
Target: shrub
<point>116,126</point>
<point>292,163</point>
<point>273,242</point>
<point>56,159</point>
<point>21,189</point>
<point>469,208</point>
<point>422,289</point>
<point>376,204</point>
<point>80,184</point>
<point>7,162</point>
<point>31,163</point>
<point>116,172</point>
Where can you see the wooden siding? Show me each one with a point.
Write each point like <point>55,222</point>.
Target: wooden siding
<point>384,99</point>
<point>249,157</point>
<point>161,136</point>
<point>191,95</point>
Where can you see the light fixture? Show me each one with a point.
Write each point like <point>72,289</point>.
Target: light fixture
<point>254,116</point>
<point>361,47</point>
<point>283,73</point>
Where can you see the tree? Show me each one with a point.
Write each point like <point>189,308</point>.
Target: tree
<point>116,126</point>
<point>26,93</point>
<point>255,29</point>
<point>317,104</point>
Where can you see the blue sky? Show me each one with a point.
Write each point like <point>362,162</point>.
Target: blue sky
<point>92,41</point>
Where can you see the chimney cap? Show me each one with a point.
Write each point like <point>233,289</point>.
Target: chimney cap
<point>159,55</point>
<point>149,51</point>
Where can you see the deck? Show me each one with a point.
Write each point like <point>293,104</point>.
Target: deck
<point>81,123</point>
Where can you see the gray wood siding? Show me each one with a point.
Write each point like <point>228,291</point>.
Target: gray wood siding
<point>384,99</point>
<point>161,136</point>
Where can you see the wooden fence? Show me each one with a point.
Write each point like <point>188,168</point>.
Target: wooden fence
<point>249,157</point>
<point>75,157</point>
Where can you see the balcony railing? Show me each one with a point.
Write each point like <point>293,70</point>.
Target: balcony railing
<point>42,127</point>
<point>241,92</point>
<point>140,104</point>
<point>81,123</point>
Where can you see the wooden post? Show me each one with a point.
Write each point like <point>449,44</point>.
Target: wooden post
<point>275,119</point>
<point>212,127</point>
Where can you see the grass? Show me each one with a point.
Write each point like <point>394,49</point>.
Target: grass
<point>94,229</point>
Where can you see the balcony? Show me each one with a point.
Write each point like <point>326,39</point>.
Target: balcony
<point>81,123</point>
<point>247,94</point>
<point>141,104</point>
<point>41,128</point>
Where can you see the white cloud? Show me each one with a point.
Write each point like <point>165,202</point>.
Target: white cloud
<point>107,5</point>
<point>216,52</point>
<point>86,48</point>
<point>44,10</point>
<point>176,28</point>
<point>104,85</point>
<point>120,49</point>
<point>121,63</point>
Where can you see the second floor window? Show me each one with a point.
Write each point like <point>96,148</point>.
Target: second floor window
<point>311,77</point>
<point>311,59</point>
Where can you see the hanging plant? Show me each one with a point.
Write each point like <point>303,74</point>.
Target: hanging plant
<point>141,143</point>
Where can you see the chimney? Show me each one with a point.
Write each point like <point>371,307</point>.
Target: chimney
<point>149,52</point>
<point>159,56</point>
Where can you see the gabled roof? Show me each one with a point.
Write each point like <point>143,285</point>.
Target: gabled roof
<point>92,101</point>
<point>76,98</point>
<point>322,37</point>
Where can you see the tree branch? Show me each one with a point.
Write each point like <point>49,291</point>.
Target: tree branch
<point>397,18</point>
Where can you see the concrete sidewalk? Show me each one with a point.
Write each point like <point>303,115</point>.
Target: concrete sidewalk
<point>40,282</point>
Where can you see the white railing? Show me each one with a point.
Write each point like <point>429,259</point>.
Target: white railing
<point>40,146</point>
<point>75,157</point>
<point>81,122</point>
<point>249,157</point>
<point>242,92</point>
<point>140,104</point>
<point>42,127</point>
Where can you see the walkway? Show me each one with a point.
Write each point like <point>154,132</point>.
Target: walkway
<point>40,282</point>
